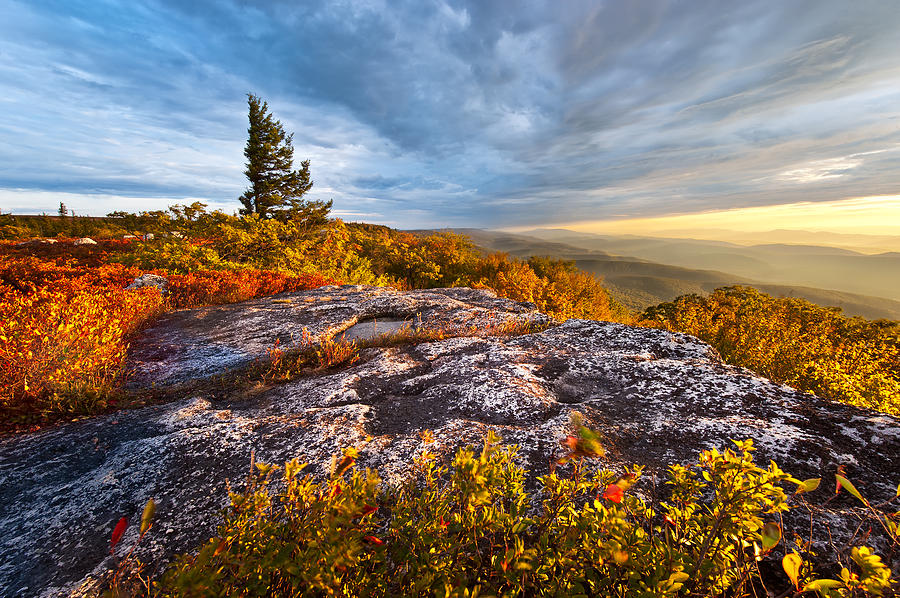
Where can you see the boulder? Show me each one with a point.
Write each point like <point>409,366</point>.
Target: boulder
<point>34,242</point>
<point>658,398</point>
<point>149,280</point>
<point>84,241</point>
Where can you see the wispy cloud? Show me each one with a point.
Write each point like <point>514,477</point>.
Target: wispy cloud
<point>449,113</point>
<point>820,170</point>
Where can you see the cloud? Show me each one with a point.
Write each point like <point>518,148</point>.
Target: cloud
<point>820,170</point>
<point>457,112</point>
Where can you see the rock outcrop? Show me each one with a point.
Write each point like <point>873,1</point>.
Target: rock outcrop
<point>657,397</point>
<point>149,280</point>
<point>36,242</point>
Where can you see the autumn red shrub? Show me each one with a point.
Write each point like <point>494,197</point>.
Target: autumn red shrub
<point>62,345</point>
<point>65,323</point>
<point>23,272</point>
<point>215,287</point>
<point>64,251</point>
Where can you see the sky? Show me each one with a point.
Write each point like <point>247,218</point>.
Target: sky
<point>427,113</point>
<point>858,216</point>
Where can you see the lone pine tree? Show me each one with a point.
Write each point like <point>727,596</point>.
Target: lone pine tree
<point>276,188</point>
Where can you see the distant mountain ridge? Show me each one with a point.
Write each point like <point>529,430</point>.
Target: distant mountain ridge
<point>641,281</point>
<point>814,266</point>
<point>856,242</point>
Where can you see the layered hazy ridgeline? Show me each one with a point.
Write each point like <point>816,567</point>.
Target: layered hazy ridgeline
<point>644,271</point>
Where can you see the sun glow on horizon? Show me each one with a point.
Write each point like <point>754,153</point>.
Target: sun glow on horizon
<point>874,215</point>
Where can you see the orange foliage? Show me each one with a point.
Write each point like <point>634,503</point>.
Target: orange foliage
<point>22,273</point>
<point>63,251</point>
<point>66,338</point>
<point>555,286</point>
<point>65,323</point>
<point>213,287</point>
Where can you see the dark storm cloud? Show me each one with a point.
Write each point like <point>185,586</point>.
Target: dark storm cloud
<point>460,113</point>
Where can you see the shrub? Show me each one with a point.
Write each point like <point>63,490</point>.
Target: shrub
<point>557,287</point>
<point>62,346</point>
<point>446,259</point>
<point>215,287</point>
<point>473,530</point>
<point>173,255</point>
<point>795,342</point>
<point>225,243</point>
<point>65,324</point>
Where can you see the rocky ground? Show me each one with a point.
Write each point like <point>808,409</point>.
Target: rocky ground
<point>658,398</point>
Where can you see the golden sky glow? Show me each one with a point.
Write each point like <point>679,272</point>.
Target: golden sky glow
<point>878,215</point>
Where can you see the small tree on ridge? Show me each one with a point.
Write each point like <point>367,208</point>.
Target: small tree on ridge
<point>275,188</point>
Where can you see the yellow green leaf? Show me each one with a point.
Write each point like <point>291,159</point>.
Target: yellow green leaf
<point>845,483</point>
<point>824,586</point>
<point>147,517</point>
<point>808,485</point>
<point>791,564</point>
<point>771,535</point>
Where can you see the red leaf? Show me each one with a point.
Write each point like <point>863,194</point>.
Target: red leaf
<point>368,510</point>
<point>374,540</point>
<point>117,532</point>
<point>442,522</point>
<point>613,493</point>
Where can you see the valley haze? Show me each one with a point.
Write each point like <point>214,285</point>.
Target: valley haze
<point>642,271</point>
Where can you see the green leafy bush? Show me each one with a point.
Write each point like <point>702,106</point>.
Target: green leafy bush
<point>172,255</point>
<point>473,530</point>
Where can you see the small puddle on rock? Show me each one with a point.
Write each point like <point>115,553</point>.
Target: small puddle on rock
<point>369,329</point>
